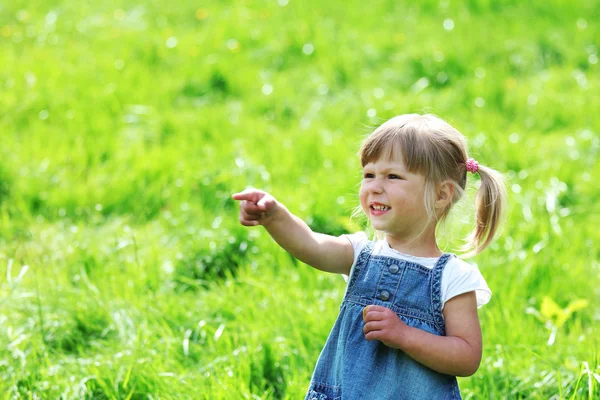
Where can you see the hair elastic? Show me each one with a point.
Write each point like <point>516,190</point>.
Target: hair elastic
<point>472,165</point>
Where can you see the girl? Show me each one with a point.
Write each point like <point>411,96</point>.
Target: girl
<point>408,323</point>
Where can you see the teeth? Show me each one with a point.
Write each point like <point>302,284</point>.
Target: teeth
<point>380,208</point>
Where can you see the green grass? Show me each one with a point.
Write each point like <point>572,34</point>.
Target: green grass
<point>126,127</point>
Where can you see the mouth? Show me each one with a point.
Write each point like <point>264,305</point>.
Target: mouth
<point>378,208</point>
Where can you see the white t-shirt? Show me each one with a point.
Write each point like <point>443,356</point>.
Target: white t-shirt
<point>458,276</point>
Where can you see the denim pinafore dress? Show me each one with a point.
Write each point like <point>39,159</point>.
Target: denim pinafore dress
<point>352,368</point>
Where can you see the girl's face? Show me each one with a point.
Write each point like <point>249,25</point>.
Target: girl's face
<point>393,198</point>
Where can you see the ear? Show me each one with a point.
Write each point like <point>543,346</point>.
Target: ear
<point>445,194</point>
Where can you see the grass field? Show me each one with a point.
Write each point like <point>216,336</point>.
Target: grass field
<point>126,126</point>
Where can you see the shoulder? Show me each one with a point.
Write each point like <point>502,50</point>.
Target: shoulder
<point>461,277</point>
<point>358,240</point>
<point>458,265</point>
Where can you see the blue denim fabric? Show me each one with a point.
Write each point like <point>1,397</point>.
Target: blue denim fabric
<point>352,368</point>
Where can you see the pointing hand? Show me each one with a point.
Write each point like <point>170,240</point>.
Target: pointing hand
<point>256,207</point>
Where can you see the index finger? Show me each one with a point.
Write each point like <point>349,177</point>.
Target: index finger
<point>248,194</point>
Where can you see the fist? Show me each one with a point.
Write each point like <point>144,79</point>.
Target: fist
<point>256,206</point>
<point>381,323</point>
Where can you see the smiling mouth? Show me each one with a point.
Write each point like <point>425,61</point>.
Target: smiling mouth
<point>378,209</point>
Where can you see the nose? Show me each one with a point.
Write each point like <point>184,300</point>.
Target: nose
<point>374,186</point>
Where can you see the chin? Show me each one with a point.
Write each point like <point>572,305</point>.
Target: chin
<point>378,226</point>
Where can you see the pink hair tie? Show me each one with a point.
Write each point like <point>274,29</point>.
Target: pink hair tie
<point>472,165</point>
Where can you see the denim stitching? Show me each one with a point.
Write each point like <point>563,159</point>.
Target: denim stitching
<point>407,264</point>
<point>316,388</point>
<point>363,259</point>
<point>436,292</point>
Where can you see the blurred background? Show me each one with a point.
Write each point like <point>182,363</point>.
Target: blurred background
<point>125,127</point>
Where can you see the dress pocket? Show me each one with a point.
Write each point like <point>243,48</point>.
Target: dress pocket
<point>322,391</point>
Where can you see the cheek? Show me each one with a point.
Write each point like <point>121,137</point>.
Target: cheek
<point>363,203</point>
<point>362,195</point>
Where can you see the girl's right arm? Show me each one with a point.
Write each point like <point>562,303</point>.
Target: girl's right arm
<point>324,252</point>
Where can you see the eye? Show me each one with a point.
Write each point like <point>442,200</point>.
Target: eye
<point>394,176</point>
<point>368,175</point>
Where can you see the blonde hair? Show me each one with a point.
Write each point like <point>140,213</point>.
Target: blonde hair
<point>433,148</point>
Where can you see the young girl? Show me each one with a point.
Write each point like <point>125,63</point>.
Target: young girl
<point>408,323</point>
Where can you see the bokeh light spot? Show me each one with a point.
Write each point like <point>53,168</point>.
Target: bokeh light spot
<point>267,89</point>
<point>448,24</point>
<point>308,49</point>
<point>171,42</point>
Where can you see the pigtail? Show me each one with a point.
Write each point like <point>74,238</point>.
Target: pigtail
<point>490,206</point>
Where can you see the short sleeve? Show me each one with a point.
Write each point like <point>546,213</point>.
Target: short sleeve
<point>358,240</point>
<point>460,277</point>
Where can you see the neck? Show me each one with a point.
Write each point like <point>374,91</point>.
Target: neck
<point>424,245</point>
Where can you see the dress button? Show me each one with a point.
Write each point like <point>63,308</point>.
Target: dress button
<point>394,269</point>
<point>384,295</point>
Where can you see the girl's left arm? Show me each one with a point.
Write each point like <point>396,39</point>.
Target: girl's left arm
<point>458,353</point>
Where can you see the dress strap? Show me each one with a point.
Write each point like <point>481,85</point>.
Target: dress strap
<point>436,290</point>
<point>365,254</point>
<point>361,262</point>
